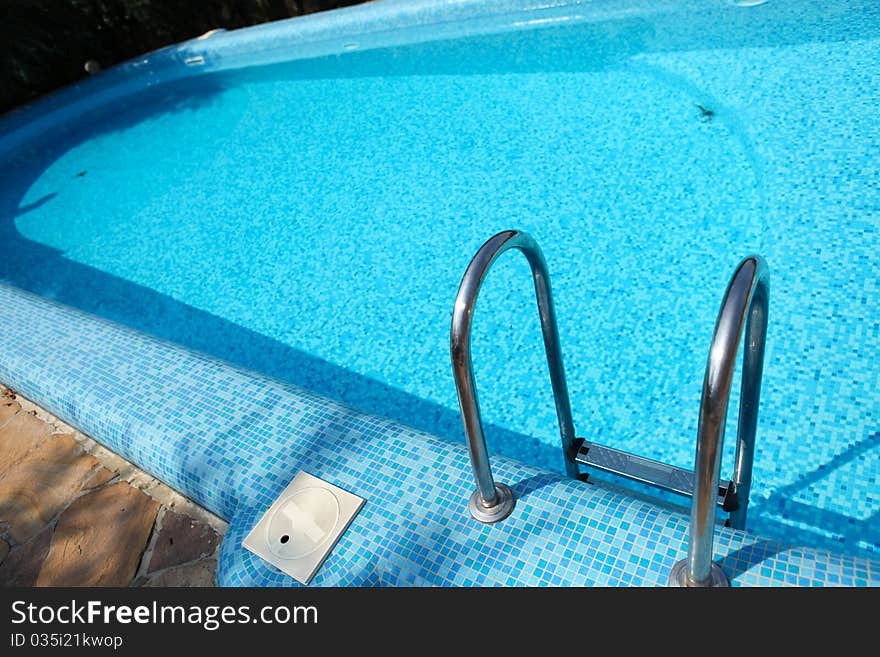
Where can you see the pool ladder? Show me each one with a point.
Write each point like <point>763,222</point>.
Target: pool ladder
<point>743,308</point>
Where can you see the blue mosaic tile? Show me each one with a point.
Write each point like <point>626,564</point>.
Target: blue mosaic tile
<point>232,439</point>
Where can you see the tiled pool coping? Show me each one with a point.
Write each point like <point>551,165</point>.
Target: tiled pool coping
<point>231,440</point>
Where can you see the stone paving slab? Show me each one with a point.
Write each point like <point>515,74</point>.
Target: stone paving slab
<point>8,408</point>
<point>21,567</point>
<point>99,478</point>
<point>100,538</point>
<point>42,484</point>
<point>21,434</point>
<point>197,573</point>
<point>73,513</point>
<point>181,539</point>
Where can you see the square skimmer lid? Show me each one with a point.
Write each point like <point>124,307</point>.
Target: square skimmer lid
<point>303,524</point>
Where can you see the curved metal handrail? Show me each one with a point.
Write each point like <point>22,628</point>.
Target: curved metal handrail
<point>492,502</point>
<point>746,304</point>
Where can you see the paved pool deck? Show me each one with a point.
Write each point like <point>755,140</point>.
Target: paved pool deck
<point>73,513</point>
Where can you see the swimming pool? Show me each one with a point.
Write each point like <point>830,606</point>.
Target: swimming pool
<point>311,219</point>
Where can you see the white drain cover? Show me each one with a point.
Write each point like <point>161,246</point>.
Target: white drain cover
<point>301,527</point>
<point>302,523</point>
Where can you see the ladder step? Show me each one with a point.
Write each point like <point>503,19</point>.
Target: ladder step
<point>638,468</point>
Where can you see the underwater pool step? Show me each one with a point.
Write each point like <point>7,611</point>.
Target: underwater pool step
<point>648,471</point>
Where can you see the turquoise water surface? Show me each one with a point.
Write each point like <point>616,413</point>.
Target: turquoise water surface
<point>312,220</point>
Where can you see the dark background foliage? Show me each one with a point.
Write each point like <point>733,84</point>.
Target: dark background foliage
<point>44,44</point>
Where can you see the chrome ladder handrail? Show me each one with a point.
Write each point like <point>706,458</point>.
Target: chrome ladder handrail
<point>493,501</point>
<point>745,303</point>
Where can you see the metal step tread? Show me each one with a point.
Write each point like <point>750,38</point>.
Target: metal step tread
<point>638,468</point>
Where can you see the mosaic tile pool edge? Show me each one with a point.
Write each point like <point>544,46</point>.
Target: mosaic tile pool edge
<point>232,439</point>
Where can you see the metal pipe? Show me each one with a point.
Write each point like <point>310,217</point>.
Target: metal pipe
<point>750,394</point>
<point>494,501</point>
<point>745,304</point>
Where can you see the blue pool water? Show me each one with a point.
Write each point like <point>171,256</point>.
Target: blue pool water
<point>312,220</point>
